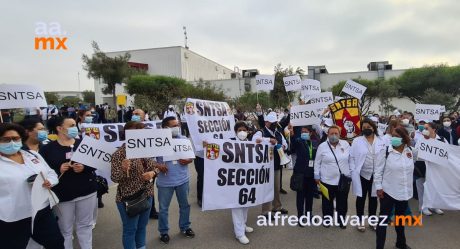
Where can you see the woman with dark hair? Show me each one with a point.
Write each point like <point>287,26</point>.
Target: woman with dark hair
<point>363,158</point>
<point>447,131</point>
<point>77,187</point>
<point>36,134</point>
<point>84,117</point>
<point>19,169</point>
<point>393,179</point>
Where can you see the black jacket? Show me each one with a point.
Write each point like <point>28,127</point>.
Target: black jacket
<point>302,150</point>
<point>445,134</point>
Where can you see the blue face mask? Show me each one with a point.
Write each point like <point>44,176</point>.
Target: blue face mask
<point>42,136</point>
<point>136,118</point>
<point>10,148</point>
<point>421,128</point>
<point>396,141</point>
<point>305,136</point>
<point>72,132</point>
<point>88,119</point>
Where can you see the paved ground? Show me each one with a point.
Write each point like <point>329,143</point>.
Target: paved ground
<point>215,230</point>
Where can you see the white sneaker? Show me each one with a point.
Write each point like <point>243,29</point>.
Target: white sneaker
<point>437,211</point>
<point>243,240</point>
<point>249,229</point>
<point>426,212</point>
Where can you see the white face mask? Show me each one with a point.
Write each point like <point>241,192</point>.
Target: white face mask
<point>447,124</point>
<point>175,131</point>
<point>405,121</point>
<point>426,133</point>
<point>242,135</point>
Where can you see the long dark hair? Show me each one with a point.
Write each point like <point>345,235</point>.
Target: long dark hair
<point>372,124</point>
<point>404,135</point>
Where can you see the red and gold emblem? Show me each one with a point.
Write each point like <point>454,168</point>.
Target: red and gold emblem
<point>212,151</point>
<point>346,114</point>
<point>93,132</point>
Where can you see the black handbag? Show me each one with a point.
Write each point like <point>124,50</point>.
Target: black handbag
<point>296,183</point>
<point>344,181</point>
<point>137,203</point>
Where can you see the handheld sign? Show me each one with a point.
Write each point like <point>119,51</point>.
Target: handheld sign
<point>292,83</point>
<point>310,87</point>
<point>21,96</point>
<point>305,115</point>
<point>433,150</point>
<point>429,112</point>
<point>354,89</point>
<point>182,150</point>
<point>265,82</point>
<point>207,120</point>
<point>94,153</point>
<point>322,99</point>
<point>238,174</point>
<point>346,114</point>
<point>148,143</point>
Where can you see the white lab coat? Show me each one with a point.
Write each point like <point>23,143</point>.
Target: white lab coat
<point>358,154</point>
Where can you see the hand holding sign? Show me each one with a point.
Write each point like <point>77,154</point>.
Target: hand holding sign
<point>78,167</point>
<point>64,167</point>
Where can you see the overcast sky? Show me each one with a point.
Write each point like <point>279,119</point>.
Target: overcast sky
<point>343,35</point>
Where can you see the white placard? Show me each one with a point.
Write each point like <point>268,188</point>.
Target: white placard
<point>183,149</point>
<point>433,150</point>
<point>442,108</point>
<point>146,143</point>
<point>21,96</point>
<point>265,82</point>
<point>354,89</point>
<point>305,115</point>
<point>292,83</point>
<point>310,87</point>
<point>322,99</point>
<point>238,174</point>
<point>427,112</point>
<point>94,153</point>
<point>207,120</point>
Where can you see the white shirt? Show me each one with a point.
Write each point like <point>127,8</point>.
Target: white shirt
<point>395,176</point>
<point>15,192</point>
<point>326,168</point>
<point>368,167</point>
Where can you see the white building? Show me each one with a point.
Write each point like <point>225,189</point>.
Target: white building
<point>170,61</point>
<point>63,94</point>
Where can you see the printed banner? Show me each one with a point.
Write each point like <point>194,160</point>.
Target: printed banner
<point>292,83</point>
<point>182,149</point>
<point>148,143</point>
<point>347,115</point>
<point>21,96</point>
<point>207,120</point>
<point>428,112</point>
<point>265,82</point>
<point>354,89</point>
<point>238,174</point>
<point>310,87</point>
<point>305,115</point>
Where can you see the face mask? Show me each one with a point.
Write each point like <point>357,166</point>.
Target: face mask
<point>10,148</point>
<point>42,135</point>
<point>367,132</point>
<point>333,139</point>
<point>421,127</point>
<point>136,118</point>
<point>175,131</point>
<point>447,124</point>
<point>396,141</point>
<point>305,136</point>
<point>426,133</point>
<point>72,132</point>
<point>88,119</point>
<point>242,135</point>
<point>405,122</point>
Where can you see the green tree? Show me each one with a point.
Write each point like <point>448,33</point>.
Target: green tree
<point>204,90</point>
<point>89,97</point>
<point>70,100</point>
<point>279,96</point>
<point>110,71</point>
<point>51,97</point>
<point>248,101</point>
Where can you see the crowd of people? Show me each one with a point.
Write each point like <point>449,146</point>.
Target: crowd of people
<point>383,169</point>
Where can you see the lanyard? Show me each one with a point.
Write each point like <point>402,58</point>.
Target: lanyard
<point>310,148</point>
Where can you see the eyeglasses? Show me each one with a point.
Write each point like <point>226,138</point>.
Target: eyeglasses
<point>9,139</point>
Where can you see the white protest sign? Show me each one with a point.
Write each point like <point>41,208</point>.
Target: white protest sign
<point>433,150</point>
<point>354,89</point>
<point>148,143</point>
<point>305,114</point>
<point>381,129</point>
<point>265,82</point>
<point>427,112</point>
<point>322,99</point>
<point>182,149</point>
<point>21,96</point>
<point>442,108</point>
<point>292,83</point>
<point>238,174</point>
<point>94,153</point>
<point>310,87</point>
<point>207,120</point>
<point>111,133</point>
<point>337,98</point>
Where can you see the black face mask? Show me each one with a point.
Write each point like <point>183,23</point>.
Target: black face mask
<point>367,132</point>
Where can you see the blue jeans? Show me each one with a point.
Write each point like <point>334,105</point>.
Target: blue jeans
<point>134,229</point>
<point>164,198</point>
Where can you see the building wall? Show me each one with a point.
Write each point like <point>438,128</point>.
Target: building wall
<point>195,66</point>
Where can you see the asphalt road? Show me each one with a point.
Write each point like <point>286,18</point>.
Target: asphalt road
<point>214,229</point>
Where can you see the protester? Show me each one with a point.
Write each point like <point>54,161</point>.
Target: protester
<point>77,187</point>
<point>447,132</point>
<point>331,162</point>
<point>363,159</point>
<point>36,134</point>
<point>170,112</point>
<point>393,181</point>
<point>84,117</point>
<point>110,115</point>
<point>32,112</point>
<point>19,168</point>
<point>176,180</point>
<point>135,181</point>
